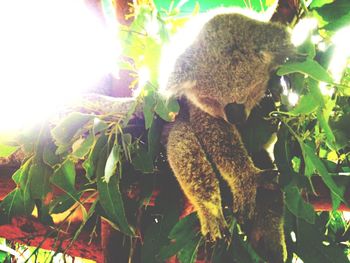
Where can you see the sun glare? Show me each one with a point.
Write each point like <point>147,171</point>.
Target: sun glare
<point>341,53</point>
<point>51,51</point>
<point>302,30</point>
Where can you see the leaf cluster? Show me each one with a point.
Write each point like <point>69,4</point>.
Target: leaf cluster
<point>122,161</point>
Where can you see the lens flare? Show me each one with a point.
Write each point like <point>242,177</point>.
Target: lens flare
<point>51,51</point>
<point>302,30</point>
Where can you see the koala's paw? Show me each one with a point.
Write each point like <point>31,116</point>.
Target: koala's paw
<point>214,228</point>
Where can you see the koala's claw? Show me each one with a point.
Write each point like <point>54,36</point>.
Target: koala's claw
<point>214,229</point>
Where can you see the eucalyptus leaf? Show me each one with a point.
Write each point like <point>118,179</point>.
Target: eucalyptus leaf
<point>330,138</point>
<point>39,174</point>
<point>82,146</point>
<point>167,109</point>
<point>49,156</point>
<point>148,109</point>
<point>154,137</point>
<point>306,105</point>
<point>110,196</point>
<point>62,203</point>
<point>19,201</point>
<point>143,161</point>
<point>99,126</point>
<point>309,153</point>
<point>311,247</point>
<point>15,204</point>
<point>112,162</point>
<point>308,67</point>
<point>91,162</point>
<point>71,126</point>
<point>241,251</point>
<point>189,253</point>
<point>184,233</point>
<point>283,153</point>
<point>296,204</point>
<point>332,11</point>
<point>341,22</point>
<point>64,177</point>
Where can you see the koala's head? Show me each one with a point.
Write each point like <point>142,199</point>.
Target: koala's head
<point>228,66</point>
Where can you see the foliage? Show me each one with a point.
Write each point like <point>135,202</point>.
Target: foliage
<point>119,155</point>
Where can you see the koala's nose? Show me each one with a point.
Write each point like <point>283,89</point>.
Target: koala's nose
<point>235,113</point>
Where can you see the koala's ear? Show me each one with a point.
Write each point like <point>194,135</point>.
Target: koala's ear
<point>235,113</point>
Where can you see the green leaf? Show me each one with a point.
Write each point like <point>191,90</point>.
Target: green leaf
<point>154,136</point>
<point>297,205</point>
<point>167,209</point>
<point>148,109</point>
<point>308,67</point>
<point>49,155</point>
<point>308,47</point>
<point>330,138</point>
<point>341,129</point>
<point>19,201</point>
<point>99,126</point>
<point>283,153</point>
<point>316,92</point>
<point>343,21</point>
<point>306,105</point>
<point>70,127</point>
<point>64,177</point>
<point>184,233</point>
<point>5,257</point>
<point>7,150</point>
<point>309,154</point>
<point>334,10</point>
<point>319,3</point>
<point>189,253</point>
<point>143,161</point>
<point>14,204</point>
<point>20,177</point>
<point>62,203</point>
<point>112,162</point>
<point>110,196</point>
<point>310,244</point>
<point>241,251</point>
<point>126,143</point>
<point>167,109</point>
<point>90,163</point>
<point>39,174</point>
<point>82,146</point>
<point>184,226</point>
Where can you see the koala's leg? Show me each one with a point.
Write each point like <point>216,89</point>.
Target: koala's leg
<point>197,178</point>
<point>266,231</point>
<point>223,144</point>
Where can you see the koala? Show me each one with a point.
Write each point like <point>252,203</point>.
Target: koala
<point>218,79</point>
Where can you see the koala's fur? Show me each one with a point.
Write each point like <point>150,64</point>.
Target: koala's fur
<point>230,61</point>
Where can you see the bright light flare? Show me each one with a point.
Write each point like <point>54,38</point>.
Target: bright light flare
<point>296,259</point>
<point>292,96</point>
<point>293,236</point>
<point>50,52</point>
<point>326,90</point>
<point>346,216</point>
<point>302,30</point>
<point>341,53</point>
